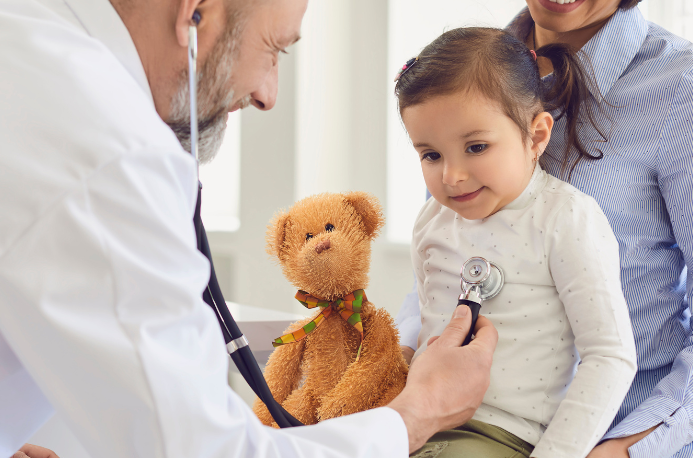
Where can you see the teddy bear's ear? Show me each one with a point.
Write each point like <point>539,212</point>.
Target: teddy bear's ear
<point>369,209</point>
<point>276,234</point>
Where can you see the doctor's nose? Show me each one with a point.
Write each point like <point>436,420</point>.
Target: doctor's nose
<point>265,96</point>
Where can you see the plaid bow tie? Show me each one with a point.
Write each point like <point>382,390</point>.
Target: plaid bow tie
<point>349,307</point>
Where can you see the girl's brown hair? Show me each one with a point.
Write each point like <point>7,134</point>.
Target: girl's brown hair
<point>502,69</point>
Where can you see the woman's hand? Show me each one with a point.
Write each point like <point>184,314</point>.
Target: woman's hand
<point>34,451</point>
<point>618,448</point>
<point>448,382</point>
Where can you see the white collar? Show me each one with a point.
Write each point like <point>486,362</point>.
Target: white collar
<point>534,187</point>
<point>102,22</point>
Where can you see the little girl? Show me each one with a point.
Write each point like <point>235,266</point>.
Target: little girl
<point>475,108</point>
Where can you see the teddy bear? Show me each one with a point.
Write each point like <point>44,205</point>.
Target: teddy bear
<point>345,358</point>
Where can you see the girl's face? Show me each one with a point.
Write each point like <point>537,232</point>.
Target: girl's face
<point>473,158</point>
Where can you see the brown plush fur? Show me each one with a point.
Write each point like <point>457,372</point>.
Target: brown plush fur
<point>317,378</point>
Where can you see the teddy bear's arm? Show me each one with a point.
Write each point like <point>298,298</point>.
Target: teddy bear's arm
<point>376,378</point>
<point>283,373</point>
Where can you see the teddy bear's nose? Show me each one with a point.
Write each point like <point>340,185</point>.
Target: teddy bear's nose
<point>322,246</point>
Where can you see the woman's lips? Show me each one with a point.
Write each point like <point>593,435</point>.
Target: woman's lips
<point>467,197</point>
<point>560,8</point>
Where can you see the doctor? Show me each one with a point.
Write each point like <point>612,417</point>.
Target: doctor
<point>101,317</point>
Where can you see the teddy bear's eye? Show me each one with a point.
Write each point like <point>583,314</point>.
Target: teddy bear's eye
<point>309,236</point>
<point>329,227</point>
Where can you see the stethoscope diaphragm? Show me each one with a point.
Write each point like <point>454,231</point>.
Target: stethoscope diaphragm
<point>478,271</point>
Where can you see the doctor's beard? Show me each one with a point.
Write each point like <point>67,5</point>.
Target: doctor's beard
<point>213,97</point>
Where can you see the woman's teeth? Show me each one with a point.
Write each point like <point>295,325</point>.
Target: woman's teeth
<point>562,2</point>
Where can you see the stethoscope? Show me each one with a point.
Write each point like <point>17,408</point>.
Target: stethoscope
<point>480,280</point>
<point>236,342</point>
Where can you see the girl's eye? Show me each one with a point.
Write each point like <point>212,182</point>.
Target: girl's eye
<point>329,227</point>
<point>478,148</point>
<point>309,236</point>
<point>431,157</point>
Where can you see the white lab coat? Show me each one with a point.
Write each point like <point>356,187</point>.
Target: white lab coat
<point>101,316</point>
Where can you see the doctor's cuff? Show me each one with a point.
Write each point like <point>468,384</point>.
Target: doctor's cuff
<point>675,430</point>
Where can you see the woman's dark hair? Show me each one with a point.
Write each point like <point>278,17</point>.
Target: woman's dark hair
<point>502,69</point>
<point>628,4</point>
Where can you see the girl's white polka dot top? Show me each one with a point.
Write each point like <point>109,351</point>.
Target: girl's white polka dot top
<point>565,357</point>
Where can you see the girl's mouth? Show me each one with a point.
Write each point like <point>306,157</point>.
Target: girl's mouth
<point>467,197</point>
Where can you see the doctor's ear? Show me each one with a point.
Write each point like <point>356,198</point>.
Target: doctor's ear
<point>189,12</point>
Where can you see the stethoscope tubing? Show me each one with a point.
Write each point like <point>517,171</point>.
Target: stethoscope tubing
<point>241,356</point>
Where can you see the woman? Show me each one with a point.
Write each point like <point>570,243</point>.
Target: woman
<point>644,184</point>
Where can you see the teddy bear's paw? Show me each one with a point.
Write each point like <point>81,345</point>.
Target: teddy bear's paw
<point>302,406</point>
<point>332,408</point>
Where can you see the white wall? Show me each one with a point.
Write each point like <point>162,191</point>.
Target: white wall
<point>327,133</point>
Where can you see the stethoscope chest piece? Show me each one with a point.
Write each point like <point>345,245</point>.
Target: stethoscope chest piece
<point>480,280</point>
<point>480,272</point>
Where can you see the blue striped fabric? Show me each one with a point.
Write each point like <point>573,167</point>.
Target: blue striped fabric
<point>644,184</point>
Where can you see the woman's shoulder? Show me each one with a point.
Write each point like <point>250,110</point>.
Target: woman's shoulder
<point>668,53</point>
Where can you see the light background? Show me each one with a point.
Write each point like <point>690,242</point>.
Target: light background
<point>334,128</point>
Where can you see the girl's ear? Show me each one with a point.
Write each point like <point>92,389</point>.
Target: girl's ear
<point>540,132</point>
<point>276,235</point>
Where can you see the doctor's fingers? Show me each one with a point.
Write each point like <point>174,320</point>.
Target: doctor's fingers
<point>484,331</point>
<point>34,451</point>
<point>456,331</point>
<point>485,336</point>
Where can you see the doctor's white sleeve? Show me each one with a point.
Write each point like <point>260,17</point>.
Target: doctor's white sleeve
<point>103,308</point>
<point>585,266</point>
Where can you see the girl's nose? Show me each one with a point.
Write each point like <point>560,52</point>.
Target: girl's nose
<point>453,175</point>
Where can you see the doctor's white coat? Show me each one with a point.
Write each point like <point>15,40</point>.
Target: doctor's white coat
<point>101,316</point>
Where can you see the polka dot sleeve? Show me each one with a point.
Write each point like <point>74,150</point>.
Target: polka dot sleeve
<point>584,263</point>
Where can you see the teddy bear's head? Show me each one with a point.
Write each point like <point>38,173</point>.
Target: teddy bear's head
<point>323,243</point>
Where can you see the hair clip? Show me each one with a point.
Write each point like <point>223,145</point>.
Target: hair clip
<point>534,54</point>
<point>410,63</point>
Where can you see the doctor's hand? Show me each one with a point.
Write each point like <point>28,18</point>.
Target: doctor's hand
<point>34,451</point>
<point>447,383</point>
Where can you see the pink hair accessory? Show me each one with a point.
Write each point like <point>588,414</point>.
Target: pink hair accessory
<point>409,64</point>
<point>534,54</point>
